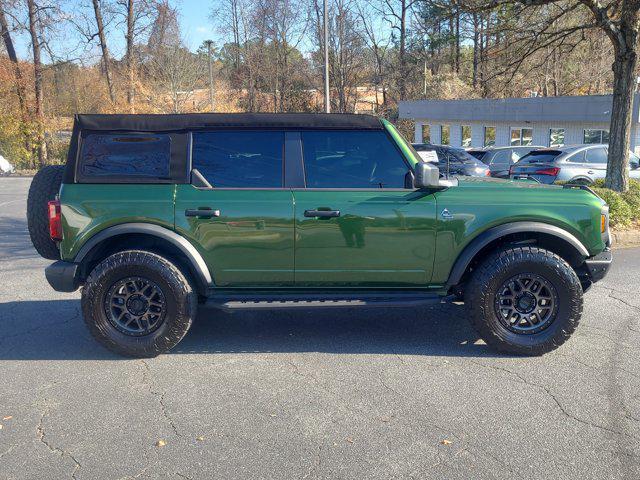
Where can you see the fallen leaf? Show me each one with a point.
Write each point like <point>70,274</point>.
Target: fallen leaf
<point>200,438</point>
<point>1,427</point>
<point>349,439</point>
<point>446,442</point>
<point>385,419</point>
<point>273,415</point>
<point>160,443</point>
<point>7,418</point>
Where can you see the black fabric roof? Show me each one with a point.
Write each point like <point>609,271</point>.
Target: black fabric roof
<point>172,122</point>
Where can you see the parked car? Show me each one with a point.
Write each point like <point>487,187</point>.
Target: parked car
<point>582,164</point>
<point>5,167</point>
<point>156,215</point>
<point>451,160</point>
<point>500,159</point>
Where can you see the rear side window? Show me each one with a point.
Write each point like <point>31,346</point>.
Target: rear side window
<point>596,155</point>
<point>352,159</point>
<point>125,155</point>
<point>239,159</point>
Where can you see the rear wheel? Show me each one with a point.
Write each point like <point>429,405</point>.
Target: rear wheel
<point>138,304</point>
<point>44,187</point>
<point>524,300</point>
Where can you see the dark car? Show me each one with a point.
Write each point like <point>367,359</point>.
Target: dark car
<point>452,160</point>
<point>500,159</point>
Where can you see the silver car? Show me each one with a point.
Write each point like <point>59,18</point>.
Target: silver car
<point>575,164</point>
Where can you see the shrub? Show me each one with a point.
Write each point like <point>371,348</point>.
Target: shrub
<point>624,208</point>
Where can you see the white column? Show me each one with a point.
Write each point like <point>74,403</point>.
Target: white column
<point>417,136</point>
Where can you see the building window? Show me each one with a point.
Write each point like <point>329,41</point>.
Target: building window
<point>556,137</point>
<point>489,136</point>
<point>596,136</point>
<point>426,134</point>
<point>465,135</point>
<point>521,136</point>
<point>445,138</point>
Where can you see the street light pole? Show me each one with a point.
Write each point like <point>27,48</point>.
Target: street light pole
<point>209,44</point>
<point>327,100</point>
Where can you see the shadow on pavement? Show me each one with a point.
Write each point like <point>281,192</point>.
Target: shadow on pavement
<point>54,330</point>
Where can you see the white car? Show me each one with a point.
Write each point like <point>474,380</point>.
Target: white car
<point>5,167</point>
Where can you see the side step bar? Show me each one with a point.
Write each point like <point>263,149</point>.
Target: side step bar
<point>230,302</point>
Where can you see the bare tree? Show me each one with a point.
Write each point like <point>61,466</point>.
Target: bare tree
<point>176,72</point>
<point>106,58</point>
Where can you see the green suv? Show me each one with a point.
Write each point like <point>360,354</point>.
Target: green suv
<point>154,215</point>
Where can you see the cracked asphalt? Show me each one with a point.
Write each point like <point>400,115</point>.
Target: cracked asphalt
<point>402,393</point>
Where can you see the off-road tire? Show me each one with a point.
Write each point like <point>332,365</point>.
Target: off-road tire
<point>498,267</point>
<point>44,187</point>
<point>180,298</point>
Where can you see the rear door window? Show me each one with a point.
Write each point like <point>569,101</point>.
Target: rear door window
<point>352,159</point>
<point>125,155</point>
<point>239,159</point>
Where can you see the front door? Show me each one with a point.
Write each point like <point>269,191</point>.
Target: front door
<point>242,223</point>
<point>356,224</point>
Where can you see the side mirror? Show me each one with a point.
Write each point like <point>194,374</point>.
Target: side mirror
<point>426,175</point>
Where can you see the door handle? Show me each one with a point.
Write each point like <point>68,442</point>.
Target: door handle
<point>322,213</point>
<point>590,172</point>
<point>202,212</point>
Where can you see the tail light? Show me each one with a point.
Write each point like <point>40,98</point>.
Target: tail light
<point>55,220</point>
<point>548,171</point>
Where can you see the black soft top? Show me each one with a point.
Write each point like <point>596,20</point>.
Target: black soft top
<point>188,121</point>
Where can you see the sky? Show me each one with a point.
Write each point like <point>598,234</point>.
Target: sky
<point>194,20</point>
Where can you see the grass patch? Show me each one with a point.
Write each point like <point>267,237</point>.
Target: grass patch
<point>624,208</point>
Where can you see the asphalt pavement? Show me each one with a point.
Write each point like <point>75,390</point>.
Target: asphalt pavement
<point>353,394</point>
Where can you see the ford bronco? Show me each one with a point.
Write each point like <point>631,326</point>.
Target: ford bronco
<point>153,215</point>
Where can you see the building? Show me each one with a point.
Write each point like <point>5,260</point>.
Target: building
<point>548,121</point>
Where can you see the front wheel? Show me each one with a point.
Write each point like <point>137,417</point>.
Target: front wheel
<point>138,304</point>
<point>524,300</point>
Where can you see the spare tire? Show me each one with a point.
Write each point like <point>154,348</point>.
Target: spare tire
<point>44,187</point>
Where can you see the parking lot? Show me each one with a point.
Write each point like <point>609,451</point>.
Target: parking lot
<point>398,393</point>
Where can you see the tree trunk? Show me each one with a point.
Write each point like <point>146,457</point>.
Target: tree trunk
<point>38,83</point>
<point>131,89</point>
<point>624,67</point>
<point>106,60</point>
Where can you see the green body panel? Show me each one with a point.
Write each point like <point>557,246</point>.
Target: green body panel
<point>479,204</point>
<point>90,208</point>
<point>382,238</point>
<point>251,244</point>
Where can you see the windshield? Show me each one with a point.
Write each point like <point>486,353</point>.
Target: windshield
<point>462,156</point>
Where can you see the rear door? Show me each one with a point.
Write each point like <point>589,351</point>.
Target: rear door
<point>596,162</point>
<point>356,223</point>
<point>242,223</point>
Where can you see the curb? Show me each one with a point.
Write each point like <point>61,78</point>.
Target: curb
<point>626,238</point>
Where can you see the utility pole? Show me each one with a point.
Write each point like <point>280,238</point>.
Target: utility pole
<point>209,45</point>
<point>327,100</point>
